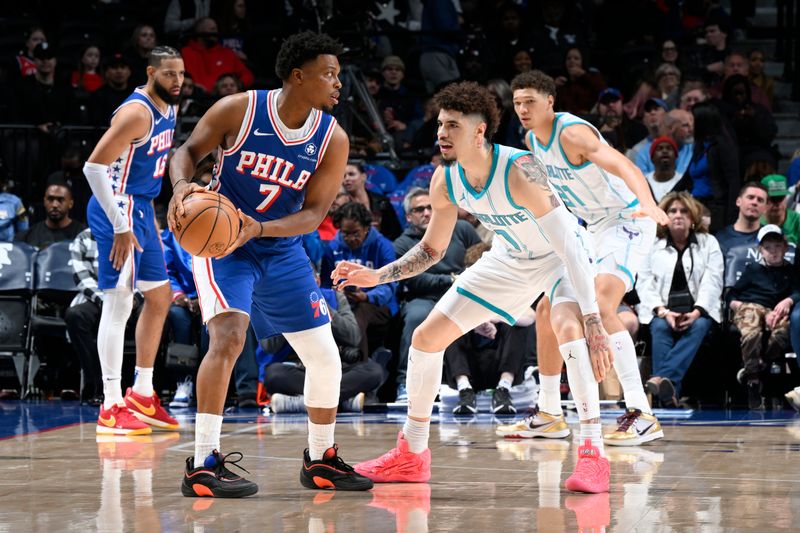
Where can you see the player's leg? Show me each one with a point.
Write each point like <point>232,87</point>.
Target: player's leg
<point>592,472</point>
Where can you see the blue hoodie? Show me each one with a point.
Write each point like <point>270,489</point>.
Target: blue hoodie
<point>375,252</point>
<point>179,266</point>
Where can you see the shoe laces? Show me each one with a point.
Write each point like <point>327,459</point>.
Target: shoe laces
<point>338,462</point>
<point>223,460</point>
<point>122,413</point>
<point>627,419</point>
<point>530,414</point>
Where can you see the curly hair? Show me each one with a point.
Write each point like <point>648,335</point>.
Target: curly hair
<point>353,211</point>
<point>471,99</point>
<point>536,80</point>
<point>301,48</point>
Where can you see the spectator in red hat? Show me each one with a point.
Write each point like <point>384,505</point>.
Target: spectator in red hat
<point>665,178</point>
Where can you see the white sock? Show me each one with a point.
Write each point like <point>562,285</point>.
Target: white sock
<point>550,394</point>
<point>416,434</point>
<point>594,433</point>
<point>143,487</point>
<point>112,393</point>
<point>504,384</point>
<point>320,438</point>
<point>549,473</point>
<point>207,428</point>
<point>463,383</point>
<point>423,380</point>
<point>628,371</point>
<point>143,382</point>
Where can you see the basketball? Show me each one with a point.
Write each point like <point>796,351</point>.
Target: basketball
<point>209,225</point>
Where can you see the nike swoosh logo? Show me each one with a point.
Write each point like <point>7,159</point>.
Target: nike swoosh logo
<point>261,133</point>
<point>642,432</point>
<point>149,411</point>
<point>110,422</point>
<point>159,120</point>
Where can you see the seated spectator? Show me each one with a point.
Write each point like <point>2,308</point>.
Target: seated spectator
<point>42,99</point>
<point>778,212</point>
<point>678,125</point>
<point>793,175</point>
<point>86,78</point>
<point>691,95</point>
<point>509,130</point>
<point>226,85</point>
<point>143,39</point>
<point>737,64</point>
<point>668,82</point>
<point>761,301</point>
<point>419,293</point>
<point>620,131</point>
<point>235,25</point>
<point>427,129</point>
<point>716,48</point>
<point>680,289</point>
<point>359,242</point>
<point>207,60</point>
<point>665,178</point>
<point>579,86</point>
<point>759,78</point>
<point>194,100</point>
<point>752,204</point>
<point>752,123</point>
<point>58,226</point>
<point>398,105</point>
<point>326,230</point>
<point>13,216</point>
<point>714,166</point>
<point>439,44</point>
<point>25,59</point>
<point>105,100</point>
<point>384,218</point>
<point>491,356</point>
<point>181,16</point>
<point>285,381</point>
<point>669,53</point>
<point>654,111</point>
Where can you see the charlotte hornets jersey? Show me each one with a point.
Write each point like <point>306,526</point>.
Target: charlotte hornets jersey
<point>495,208</point>
<point>266,171</point>
<point>587,190</point>
<point>139,169</point>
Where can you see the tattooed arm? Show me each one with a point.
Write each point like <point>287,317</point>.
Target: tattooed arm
<point>527,180</point>
<point>420,257</point>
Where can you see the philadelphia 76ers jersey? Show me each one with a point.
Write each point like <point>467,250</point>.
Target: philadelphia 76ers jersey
<point>587,190</point>
<point>266,171</point>
<point>140,167</point>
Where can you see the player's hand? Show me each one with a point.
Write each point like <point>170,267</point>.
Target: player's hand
<point>175,208</point>
<point>599,348</point>
<point>250,229</point>
<point>654,212</point>
<point>347,274</point>
<point>124,243</point>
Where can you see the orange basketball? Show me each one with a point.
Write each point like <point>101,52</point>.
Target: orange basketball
<point>209,225</point>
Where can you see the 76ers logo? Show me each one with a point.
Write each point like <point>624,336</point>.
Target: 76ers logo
<point>311,149</point>
<point>318,305</point>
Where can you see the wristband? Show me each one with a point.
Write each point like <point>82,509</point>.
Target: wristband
<point>177,182</point>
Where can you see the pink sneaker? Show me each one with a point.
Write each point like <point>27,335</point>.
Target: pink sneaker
<point>592,472</point>
<point>398,465</point>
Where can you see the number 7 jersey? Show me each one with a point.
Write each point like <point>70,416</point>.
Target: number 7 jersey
<point>266,171</point>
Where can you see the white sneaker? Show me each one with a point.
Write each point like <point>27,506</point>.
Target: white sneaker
<point>283,403</point>
<point>793,397</point>
<point>183,395</point>
<point>354,404</point>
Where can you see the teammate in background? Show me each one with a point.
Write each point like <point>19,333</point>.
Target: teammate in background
<point>543,250</point>
<point>602,187</point>
<point>125,172</point>
<point>281,161</point>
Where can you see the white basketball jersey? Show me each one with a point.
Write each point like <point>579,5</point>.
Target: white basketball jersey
<point>587,190</point>
<point>514,225</point>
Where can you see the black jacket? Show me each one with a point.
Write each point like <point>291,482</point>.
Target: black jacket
<point>765,285</point>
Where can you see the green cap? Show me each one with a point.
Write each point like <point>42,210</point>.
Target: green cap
<point>775,184</point>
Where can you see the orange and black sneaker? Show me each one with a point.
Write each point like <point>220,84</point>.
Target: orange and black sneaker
<point>149,410</point>
<point>214,480</point>
<point>331,473</point>
<point>118,420</point>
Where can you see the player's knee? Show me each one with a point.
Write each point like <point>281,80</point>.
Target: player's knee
<point>425,339</point>
<point>566,326</point>
<point>227,342</point>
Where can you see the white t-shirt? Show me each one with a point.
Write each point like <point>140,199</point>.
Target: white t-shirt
<point>661,188</point>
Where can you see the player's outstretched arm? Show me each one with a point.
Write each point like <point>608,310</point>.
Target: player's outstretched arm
<point>420,257</point>
<point>580,142</point>
<point>219,126</point>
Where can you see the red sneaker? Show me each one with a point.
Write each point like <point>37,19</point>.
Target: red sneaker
<point>118,420</point>
<point>149,410</point>
<point>592,472</point>
<point>398,465</point>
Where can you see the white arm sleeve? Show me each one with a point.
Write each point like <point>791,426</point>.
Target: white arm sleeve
<point>97,176</point>
<point>572,245</point>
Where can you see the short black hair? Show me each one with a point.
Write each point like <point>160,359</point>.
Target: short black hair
<point>536,80</point>
<point>353,211</point>
<point>159,54</point>
<point>301,48</point>
<point>752,185</point>
<point>471,99</point>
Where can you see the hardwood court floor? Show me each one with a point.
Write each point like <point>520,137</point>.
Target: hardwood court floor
<point>713,471</point>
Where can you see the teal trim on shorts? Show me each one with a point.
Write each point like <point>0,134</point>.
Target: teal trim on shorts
<point>449,185</point>
<point>629,274</point>
<point>634,203</point>
<point>553,290</point>
<point>477,299</point>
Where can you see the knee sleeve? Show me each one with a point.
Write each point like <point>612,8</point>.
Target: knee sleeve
<point>320,355</point>
<point>581,379</point>
<point>117,306</point>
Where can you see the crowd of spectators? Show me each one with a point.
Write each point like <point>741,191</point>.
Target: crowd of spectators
<point>675,92</point>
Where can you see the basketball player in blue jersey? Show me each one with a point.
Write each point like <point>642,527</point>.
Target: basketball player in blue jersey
<point>602,187</point>
<point>537,243</point>
<point>125,171</point>
<point>281,161</point>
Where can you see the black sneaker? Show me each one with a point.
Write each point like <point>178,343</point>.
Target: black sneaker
<point>467,405</point>
<point>331,473</point>
<point>214,480</point>
<point>754,399</point>
<point>666,393</point>
<point>501,402</point>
